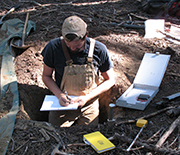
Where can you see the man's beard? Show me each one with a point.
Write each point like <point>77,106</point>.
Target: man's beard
<point>76,51</point>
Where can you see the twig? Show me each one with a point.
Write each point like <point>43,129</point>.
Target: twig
<point>179,137</point>
<point>151,147</point>
<point>68,3</point>
<point>105,17</point>
<point>145,117</point>
<point>137,148</point>
<point>155,134</point>
<point>21,146</point>
<point>173,74</point>
<point>133,26</point>
<point>44,133</point>
<point>25,150</point>
<point>37,4</point>
<point>12,144</point>
<point>77,144</point>
<point>46,152</point>
<point>173,141</point>
<point>34,2</point>
<point>130,18</point>
<point>60,139</point>
<point>168,35</point>
<point>80,14</point>
<point>56,138</point>
<point>168,132</point>
<point>178,26</point>
<point>57,151</point>
<point>49,11</point>
<point>137,16</point>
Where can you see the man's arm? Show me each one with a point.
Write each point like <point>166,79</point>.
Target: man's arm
<point>108,82</point>
<point>50,83</point>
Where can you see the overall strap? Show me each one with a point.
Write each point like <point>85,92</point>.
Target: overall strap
<point>91,50</point>
<point>69,61</point>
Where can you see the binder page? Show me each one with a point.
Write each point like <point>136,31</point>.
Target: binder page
<point>51,102</point>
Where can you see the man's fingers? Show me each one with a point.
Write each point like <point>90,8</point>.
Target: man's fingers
<point>65,103</point>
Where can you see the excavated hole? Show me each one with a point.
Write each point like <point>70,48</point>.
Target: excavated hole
<point>31,98</point>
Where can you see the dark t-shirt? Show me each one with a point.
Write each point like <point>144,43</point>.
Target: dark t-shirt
<point>54,57</point>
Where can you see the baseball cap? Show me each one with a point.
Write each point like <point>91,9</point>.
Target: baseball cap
<point>74,25</point>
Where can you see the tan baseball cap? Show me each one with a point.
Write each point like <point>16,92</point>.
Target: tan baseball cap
<point>74,25</point>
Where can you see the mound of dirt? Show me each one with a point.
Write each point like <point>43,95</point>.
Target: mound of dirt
<point>33,135</point>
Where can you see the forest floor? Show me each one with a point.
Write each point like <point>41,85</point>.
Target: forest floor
<point>106,23</point>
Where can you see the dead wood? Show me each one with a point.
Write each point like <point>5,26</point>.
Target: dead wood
<point>154,135</point>
<point>133,26</point>
<point>36,3</point>
<point>179,137</point>
<point>57,151</point>
<point>77,144</point>
<point>21,146</point>
<point>174,112</point>
<point>168,35</point>
<point>106,17</point>
<point>173,141</point>
<point>146,146</point>
<point>25,150</point>
<point>173,74</point>
<point>145,117</point>
<point>54,136</point>
<point>167,133</point>
<point>137,16</point>
<point>45,135</point>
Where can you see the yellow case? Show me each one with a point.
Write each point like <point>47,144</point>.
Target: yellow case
<point>141,122</point>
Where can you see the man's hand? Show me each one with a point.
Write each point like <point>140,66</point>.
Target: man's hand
<point>81,100</point>
<point>64,101</point>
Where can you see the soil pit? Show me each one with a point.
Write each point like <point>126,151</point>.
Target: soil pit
<point>29,66</point>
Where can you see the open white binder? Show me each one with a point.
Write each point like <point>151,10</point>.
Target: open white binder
<point>146,82</point>
<point>51,103</point>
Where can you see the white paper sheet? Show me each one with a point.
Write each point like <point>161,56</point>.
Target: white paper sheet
<point>51,102</point>
<point>151,27</point>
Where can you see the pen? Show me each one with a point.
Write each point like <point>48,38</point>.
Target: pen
<point>67,95</point>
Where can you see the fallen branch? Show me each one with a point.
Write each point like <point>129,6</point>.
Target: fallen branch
<point>137,148</point>
<point>173,74</point>
<point>59,137</point>
<point>179,137</point>
<point>168,132</point>
<point>137,16</point>
<point>55,137</point>
<point>146,146</point>
<point>36,3</point>
<point>12,149</point>
<point>57,151</point>
<point>21,146</point>
<point>49,11</point>
<point>45,135</point>
<point>133,26</point>
<point>174,141</point>
<point>25,150</point>
<point>77,144</point>
<point>154,135</point>
<point>146,116</point>
<point>168,35</point>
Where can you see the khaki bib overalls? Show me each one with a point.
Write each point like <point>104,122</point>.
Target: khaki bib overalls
<point>78,80</point>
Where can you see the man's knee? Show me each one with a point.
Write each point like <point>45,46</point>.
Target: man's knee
<point>63,118</point>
